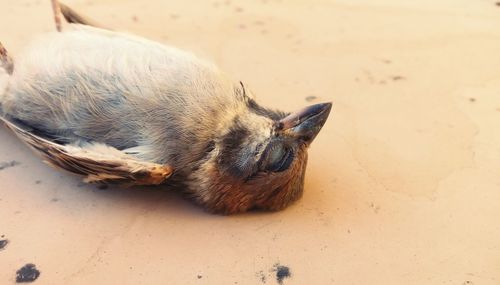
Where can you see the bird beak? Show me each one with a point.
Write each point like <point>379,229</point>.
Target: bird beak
<point>307,122</point>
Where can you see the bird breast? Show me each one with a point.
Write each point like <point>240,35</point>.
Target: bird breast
<point>121,90</point>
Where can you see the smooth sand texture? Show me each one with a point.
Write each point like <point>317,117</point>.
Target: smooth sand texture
<point>403,183</point>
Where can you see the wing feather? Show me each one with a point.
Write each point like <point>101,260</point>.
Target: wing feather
<point>98,162</point>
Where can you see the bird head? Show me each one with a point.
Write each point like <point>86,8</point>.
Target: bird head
<point>259,162</point>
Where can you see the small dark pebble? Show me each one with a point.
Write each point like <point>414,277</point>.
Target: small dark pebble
<point>498,3</point>
<point>397,77</point>
<point>54,200</point>
<point>38,182</point>
<point>8,164</point>
<point>199,276</point>
<point>282,272</point>
<point>3,243</point>
<point>472,99</point>
<point>27,273</point>
<point>311,98</point>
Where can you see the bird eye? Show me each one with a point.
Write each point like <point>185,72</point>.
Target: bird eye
<point>279,158</point>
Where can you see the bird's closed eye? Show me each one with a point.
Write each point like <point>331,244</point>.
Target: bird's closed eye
<point>279,158</point>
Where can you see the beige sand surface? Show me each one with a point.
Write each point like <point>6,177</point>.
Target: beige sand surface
<point>403,183</point>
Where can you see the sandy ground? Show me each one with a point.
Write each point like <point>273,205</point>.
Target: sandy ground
<point>403,183</point>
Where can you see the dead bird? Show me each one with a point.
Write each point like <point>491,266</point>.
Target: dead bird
<point>120,109</point>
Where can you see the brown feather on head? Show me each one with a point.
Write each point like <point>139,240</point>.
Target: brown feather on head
<point>259,165</point>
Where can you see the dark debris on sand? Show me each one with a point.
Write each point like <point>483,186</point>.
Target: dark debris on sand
<point>3,243</point>
<point>282,272</point>
<point>8,164</point>
<point>27,273</point>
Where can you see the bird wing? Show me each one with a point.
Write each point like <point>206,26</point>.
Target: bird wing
<point>100,163</point>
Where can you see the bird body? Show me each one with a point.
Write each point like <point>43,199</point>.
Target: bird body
<point>115,88</point>
<point>118,108</point>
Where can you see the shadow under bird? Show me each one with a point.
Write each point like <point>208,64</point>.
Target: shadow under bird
<point>120,109</point>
